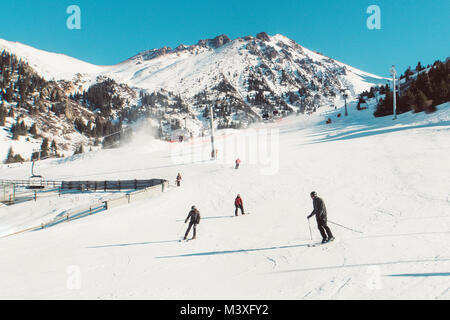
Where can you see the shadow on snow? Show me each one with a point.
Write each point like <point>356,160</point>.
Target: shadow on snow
<point>435,274</point>
<point>211,253</point>
<point>363,265</point>
<point>132,244</point>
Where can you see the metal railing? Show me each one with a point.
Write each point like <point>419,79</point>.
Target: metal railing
<point>105,185</point>
<point>82,211</point>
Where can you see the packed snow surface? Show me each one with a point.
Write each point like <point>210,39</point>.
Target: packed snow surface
<point>386,180</point>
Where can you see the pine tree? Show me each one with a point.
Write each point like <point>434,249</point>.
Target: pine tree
<point>423,84</point>
<point>421,101</point>
<point>441,92</point>
<point>406,102</point>
<point>419,67</point>
<point>53,148</point>
<point>10,156</point>
<point>9,94</point>
<point>79,150</point>
<point>44,148</point>
<point>2,115</point>
<point>33,130</point>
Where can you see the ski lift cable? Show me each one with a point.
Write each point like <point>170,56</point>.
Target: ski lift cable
<point>121,131</point>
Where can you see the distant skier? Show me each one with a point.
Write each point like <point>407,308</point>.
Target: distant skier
<point>238,162</point>
<point>194,216</point>
<point>320,211</point>
<point>238,205</point>
<point>178,179</point>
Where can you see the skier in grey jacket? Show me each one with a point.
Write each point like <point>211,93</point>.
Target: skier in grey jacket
<point>320,211</point>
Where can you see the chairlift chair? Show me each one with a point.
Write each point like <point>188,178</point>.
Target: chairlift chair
<point>36,182</point>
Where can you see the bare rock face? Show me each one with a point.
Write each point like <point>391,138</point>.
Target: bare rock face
<point>217,42</point>
<point>263,36</point>
<point>155,53</point>
<point>68,112</point>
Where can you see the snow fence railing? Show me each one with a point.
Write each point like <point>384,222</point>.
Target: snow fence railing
<point>137,195</point>
<point>83,211</point>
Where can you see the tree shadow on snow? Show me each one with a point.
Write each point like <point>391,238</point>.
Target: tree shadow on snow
<point>206,218</point>
<point>372,131</point>
<point>363,265</point>
<point>435,274</point>
<point>132,244</point>
<point>210,253</point>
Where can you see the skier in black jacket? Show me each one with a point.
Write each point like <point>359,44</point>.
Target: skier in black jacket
<point>320,211</point>
<point>194,216</point>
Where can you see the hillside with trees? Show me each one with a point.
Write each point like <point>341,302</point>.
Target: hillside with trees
<point>420,90</point>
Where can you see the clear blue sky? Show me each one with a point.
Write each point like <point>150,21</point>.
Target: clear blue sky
<point>112,31</point>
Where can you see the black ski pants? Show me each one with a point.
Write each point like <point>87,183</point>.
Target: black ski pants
<point>191,224</point>
<point>237,208</point>
<point>324,229</point>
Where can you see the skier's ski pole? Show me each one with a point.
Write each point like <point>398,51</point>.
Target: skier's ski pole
<point>178,233</point>
<point>310,233</point>
<point>344,226</point>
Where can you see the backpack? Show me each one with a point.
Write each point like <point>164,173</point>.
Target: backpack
<point>197,217</point>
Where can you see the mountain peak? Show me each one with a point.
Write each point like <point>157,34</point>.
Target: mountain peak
<point>215,43</point>
<point>263,36</point>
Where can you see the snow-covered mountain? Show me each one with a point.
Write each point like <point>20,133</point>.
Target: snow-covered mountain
<point>244,79</point>
<point>51,66</point>
<point>280,65</point>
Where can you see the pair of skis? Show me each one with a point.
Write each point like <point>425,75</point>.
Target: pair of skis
<point>234,216</point>
<point>319,243</point>
<point>245,214</point>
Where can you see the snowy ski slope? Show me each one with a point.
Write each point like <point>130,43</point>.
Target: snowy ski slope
<point>387,179</point>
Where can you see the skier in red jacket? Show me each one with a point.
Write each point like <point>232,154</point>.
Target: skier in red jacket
<point>238,162</point>
<point>239,205</point>
<point>178,180</point>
